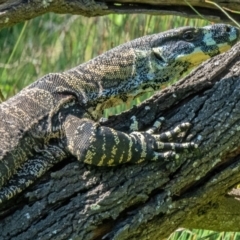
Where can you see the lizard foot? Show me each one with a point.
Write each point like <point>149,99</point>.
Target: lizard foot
<point>164,145</point>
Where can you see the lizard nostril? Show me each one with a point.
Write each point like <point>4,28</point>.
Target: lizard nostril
<point>228,29</point>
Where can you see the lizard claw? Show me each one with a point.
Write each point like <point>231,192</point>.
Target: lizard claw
<point>157,124</point>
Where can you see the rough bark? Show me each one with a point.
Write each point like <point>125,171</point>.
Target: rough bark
<point>14,11</point>
<point>149,200</point>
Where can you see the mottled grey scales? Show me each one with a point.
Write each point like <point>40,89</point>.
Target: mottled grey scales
<point>57,116</point>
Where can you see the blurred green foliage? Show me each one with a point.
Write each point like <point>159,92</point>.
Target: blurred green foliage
<point>54,43</point>
<point>185,234</point>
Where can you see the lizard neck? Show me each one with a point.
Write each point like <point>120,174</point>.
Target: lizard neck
<point>107,84</point>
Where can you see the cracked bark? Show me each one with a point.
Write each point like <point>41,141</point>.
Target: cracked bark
<point>149,200</point>
<point>15,11</point>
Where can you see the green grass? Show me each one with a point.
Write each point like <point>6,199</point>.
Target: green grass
<point>54,43</point>
<point>198,234</point>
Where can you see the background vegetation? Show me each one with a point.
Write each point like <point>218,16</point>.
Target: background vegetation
<point>54,43</point>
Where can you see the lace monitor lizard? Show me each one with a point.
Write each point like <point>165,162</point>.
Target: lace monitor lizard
<point>57,115</point>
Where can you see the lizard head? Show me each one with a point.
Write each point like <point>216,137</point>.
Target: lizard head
<point>170,54</point>
<point>192,45</point>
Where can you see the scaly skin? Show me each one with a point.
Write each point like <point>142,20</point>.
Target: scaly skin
<point>57,115</point>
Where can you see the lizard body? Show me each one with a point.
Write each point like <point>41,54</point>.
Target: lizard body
<point>56,116</point>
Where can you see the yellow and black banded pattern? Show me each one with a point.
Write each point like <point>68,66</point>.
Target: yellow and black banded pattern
<point>56,116</point>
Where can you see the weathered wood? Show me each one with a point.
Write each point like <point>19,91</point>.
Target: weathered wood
<point>15,11</point>
<point>150,200</point>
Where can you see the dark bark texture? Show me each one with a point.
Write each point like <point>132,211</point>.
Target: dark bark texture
<point>15,11</point>
<point>149,200</point>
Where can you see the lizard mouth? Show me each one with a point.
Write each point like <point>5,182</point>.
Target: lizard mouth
<point>224,47</point>
<point>198,56</point>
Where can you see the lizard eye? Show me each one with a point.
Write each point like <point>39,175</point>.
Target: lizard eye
<point>189,35</point>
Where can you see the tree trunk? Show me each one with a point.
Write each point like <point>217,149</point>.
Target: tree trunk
<point>15,11</point>
<point>149,200</point>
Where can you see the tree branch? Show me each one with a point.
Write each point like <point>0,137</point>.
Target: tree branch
<point>148,200</point>
<point>15,11</point>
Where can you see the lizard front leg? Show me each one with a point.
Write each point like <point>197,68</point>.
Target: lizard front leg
<point>103,146</point>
